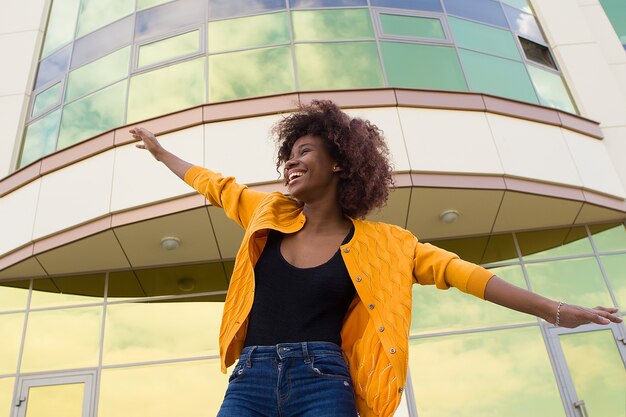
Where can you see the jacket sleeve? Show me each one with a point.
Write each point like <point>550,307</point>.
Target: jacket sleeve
<point>433,265</point>
<point>237,200</point>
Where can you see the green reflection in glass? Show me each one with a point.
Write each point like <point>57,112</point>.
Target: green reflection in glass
<point>338,65</point>
<point>40,138</point>
<point>144,4</point>
<point>138,332</point>
<point>180,86</point>
<point>97,74</point>
<point>554,243</point>
<point>422,66</point>
<point>250,73</point>
<point>413,26</point>
<point>615,269</point>
<point>179,389</point>
<point>497,76</point>
<point>46,99</point>
<point>551,89</point>
<point>438,311</point>
<point>483,249</point>
<point>484,38</point>
<point>96,13</point>
<point>519,4</point>
<point>597,371</point>
<point>576,281</point>
<point>61,25</point>
<point>62,339</point>
<point>6,396</point>
<point>169,48</point>
<point>608,240</point>
<point>64,400</point>
<point>248,32</point>
<point>616,12</point>
<point>13,295</point>
<point>60,291</point>
<point>11,326</point>
<point>492,374</point>
<point>318,25</point>
<point>92,115</point>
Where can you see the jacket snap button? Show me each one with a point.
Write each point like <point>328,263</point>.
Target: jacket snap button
<point>400,390</point>
<point>358,279</point>
<point>371,306</point>
<point>381,329</point>
<point>346,250</point>
<point>392,351</point>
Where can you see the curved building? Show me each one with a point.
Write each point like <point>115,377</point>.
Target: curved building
<point>506,122</point>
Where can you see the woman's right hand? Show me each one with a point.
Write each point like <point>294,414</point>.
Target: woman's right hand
<point>148,141</point>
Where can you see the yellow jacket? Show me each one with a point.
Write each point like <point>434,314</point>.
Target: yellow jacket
<point>383,260</point>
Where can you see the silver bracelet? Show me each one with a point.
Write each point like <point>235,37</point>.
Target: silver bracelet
<point>558,314</point>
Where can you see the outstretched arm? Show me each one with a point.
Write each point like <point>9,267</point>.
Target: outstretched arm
<point>151,144</point>
<point>501,292</point>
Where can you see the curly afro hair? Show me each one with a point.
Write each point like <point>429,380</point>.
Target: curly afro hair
<point>357,146</point>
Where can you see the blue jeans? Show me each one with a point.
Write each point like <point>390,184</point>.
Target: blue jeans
<point>308,379</point>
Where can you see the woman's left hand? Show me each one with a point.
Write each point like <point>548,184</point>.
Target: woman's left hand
<point>573,316</point>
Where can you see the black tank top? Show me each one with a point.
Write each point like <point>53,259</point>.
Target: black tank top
<point>298,304</point>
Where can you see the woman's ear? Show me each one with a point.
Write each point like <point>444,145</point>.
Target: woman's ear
<point>337,168</point>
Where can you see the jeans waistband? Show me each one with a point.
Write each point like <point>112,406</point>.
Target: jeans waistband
<point>291,350</point>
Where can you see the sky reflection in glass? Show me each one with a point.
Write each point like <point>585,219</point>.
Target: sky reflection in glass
<point>144,4</point>
<point>426,5</point>
<point>102,42</point>
<point>11,326</point>
<point>169,48</point>
<point>615,269</point>
<point>523,23</point>
<point>180,86</point>
<point>338,65</point>
<point>53,67</point>
<point>13,295</point>
<point>40,138</point>
<point>222,9</point>
<point>484,38</point>
<point>609,240</point>
<point>296,4</point>
<point>520,4</point>
<point>248,32</point>
<point>61,25</point>
<point>412,26</point>
<point>168,17</point>
<point>551,89</point>
<point>47,99</point>
<point>96,13</point>
<point>97,74</point>
<point>486,11</point>
<point>250,73</point>
<point>93,115</point>
<point>317,25</point>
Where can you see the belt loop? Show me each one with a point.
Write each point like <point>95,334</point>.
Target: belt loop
<point>345,356</point>
<point>249,358</point>
<point>305,353</point>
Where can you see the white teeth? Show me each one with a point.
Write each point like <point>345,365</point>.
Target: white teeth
<point>295,175</point>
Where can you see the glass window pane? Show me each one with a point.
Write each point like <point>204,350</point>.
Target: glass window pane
<point>248,32</point>
<point>144,4</point>
<point>412,26</point>
<point>56,400</point>
<point>6,396</point>
<point>13,295</point>
<point>496,373</point>
<point>317,25</point>
<point>62,291</point>
<point>537,53</point>
<point>53,67</point>
<point>178,389</point>
<point>551,89</point>
<point>169,48</point>
<point>40,138</point>
<point>301,4</point>
<point>439,311</point>
<point>422,66</point>
<point>61,25</point>
<point>171,329</point>
<point>616,13</point>
<point>615,269</point>
<point>520,4</point>
<point>575,281</point>
<point>250,73</point>
<point>95,13</point>
<point>486,11</point>
<point>597,371</point>
<point>330,66</point>
<point>11,326</point>
<point>62,339</point>
<point>523,23</point>
<point>97,74</point>
<point>609,237</point>
<point>222,9</point>
<point>102,42</point>
<point>180,86</point>
<point>47,99</point>
<point>169,17</point>
<point>484,38</point>
<point>554,243</point>
<point>428,5</point>
<point>497,76</point>
<point>93,115</point>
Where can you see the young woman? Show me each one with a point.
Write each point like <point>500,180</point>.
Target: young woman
<point>319,305</point>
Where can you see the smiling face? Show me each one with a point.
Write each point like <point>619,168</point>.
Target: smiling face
<point>311,172</point>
